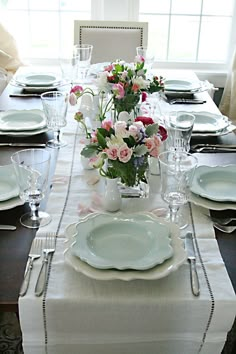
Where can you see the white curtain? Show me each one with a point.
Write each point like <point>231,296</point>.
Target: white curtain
<point>228,100</point>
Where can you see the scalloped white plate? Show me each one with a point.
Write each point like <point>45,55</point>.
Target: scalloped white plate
<point>209,122</point>
<point>182,85</point>
<point>157,272</point>
<point>8,183</point>
<point>122,241</point>
<point>217,183</point>
<point>11,203</point>
<point>24,133</point>
<point>22,120</point>
<point>35,80</point>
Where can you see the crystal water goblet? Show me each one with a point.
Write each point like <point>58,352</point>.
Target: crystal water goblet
<point>82,54</point>
<point>179,126</point>
<point>176,170</point>
<point>55,105</point>
<point>32,171</point>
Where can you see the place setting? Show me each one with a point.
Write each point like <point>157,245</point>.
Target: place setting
<point>140,246</point>
<point>9,189</point>
<point>22,123</point>
<point>32,84</point>
<point>213,187</point>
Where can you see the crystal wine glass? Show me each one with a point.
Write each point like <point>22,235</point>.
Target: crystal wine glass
<point>82,54</point>
<point>32,170</point>
<point>55,105</point>
<point>176,169</point>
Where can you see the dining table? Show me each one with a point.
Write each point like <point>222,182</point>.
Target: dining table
<point>87,310</point>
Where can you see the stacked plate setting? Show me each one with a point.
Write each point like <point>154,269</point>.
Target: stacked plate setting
<point>22,122</point>
<point>125,247</point>
<point>210,124</point>
<point>214,187</point>
<point>9,190</point>
<point>37,82</point>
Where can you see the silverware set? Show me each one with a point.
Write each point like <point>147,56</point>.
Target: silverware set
<point>39,247</point>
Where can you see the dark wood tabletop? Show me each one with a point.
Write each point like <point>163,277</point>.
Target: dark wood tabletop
<point>15,245</point>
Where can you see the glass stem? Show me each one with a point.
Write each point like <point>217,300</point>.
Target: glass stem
<point>173,213</point>
<point>34,210</point>
<point>57,136</point>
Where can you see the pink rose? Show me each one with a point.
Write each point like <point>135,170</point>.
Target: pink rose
<point>124,153</point>
<point>118,91</point>
<point>155,152</point>
<point>133,130</point>
<point>150,144</point>
<point>112,152</point>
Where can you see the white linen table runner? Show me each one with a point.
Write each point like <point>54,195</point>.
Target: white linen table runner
<point>80,315</point>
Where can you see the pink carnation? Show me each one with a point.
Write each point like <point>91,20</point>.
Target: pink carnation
<point>76,89</point>
<point>118,91</point>
<point>107,124</point>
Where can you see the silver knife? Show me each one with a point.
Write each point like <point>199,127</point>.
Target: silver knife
<point>23,144</point>
<point>227,146</point>
<point>25,95</point>
<point>189,246</point>
<point>8,227</point>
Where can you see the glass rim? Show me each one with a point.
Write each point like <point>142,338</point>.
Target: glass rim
<point>17,153</point>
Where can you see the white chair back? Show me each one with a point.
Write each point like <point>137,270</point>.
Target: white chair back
<point>111,40</point>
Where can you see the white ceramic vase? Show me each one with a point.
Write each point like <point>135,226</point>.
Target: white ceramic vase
<point>112,197</point>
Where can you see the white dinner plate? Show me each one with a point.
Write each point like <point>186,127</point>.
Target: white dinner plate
<point>209,122</point>
<point>35,80</point>
<point>22,120</point>
<point>182,85</point>
<point>24,133</point>
<point>8,183</point>
<point>157,272</point>
<point>122,241</point>
<point>217,183</point>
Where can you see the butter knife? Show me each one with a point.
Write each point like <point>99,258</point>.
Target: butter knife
<point>189,246</point>
<point>23,144</point>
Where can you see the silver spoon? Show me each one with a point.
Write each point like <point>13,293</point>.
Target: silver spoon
<point>224,228</point>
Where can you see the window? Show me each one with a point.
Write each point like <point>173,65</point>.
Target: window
<point>190,31</point>
<point>194,34</point>
<point>43,28</point>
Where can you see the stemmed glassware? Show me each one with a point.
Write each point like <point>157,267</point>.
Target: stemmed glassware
<point>82,54</point>
<point>55,105</point>
<point>148,55</point>
<point>177,170</point>
<point>32,170</point>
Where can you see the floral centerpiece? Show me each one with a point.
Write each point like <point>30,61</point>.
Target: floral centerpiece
<point>127,85</point>
<point>122,149</point>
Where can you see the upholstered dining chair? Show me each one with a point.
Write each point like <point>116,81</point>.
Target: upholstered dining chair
<point>111,40</point>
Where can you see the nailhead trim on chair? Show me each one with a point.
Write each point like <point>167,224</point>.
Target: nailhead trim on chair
<point>111,27</point>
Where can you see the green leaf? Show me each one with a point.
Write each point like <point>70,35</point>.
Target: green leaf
<point>89,150</point>
<point>130,141</point>
<point>140,150</point>
<point>152,129</point>
<point>101,140</point>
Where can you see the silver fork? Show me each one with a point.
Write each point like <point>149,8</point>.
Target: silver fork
<point>225,228</point>
<point>35,253</point>
<point>48,250</point>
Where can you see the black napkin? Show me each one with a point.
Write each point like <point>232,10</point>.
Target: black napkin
<point>174,97</point>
